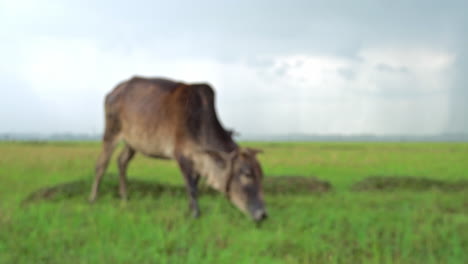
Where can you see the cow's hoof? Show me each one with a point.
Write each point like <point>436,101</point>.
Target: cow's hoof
<point>123,203</point>
<point>91,199</point>
<point>123,195</point>
<point>196,214</point>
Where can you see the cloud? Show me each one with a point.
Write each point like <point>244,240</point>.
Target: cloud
<point>331,67</point>
<point>321,99</point>
<point>21,109</point>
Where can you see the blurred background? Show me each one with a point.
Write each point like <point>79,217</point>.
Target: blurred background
<point>279,68</point>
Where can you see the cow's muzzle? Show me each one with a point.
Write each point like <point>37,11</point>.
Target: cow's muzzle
<point>259,215</point>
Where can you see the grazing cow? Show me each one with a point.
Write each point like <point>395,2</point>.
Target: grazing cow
<point>172,120</point>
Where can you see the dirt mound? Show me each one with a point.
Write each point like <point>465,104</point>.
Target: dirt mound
<point>390,183</point>
<point>81,188</point>
<point>140,188</point>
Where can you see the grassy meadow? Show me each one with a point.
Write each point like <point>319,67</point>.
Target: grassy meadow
<point>422,217</point>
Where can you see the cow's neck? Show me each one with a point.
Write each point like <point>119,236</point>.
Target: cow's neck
<point>206,167</point>
<point>214,137</point>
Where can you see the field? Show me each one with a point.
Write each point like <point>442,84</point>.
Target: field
<point>412,209</point>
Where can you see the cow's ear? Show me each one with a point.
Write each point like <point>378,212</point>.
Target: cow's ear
<point>217,156</point>
<point>253,151</point>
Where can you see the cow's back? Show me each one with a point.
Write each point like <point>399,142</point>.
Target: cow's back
<point>159,116</point>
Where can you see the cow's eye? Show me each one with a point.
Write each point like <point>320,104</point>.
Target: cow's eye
<point>247,172</point>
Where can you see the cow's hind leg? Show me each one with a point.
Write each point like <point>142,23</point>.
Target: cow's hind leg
<point>124,158</point>
<point>110,141</point>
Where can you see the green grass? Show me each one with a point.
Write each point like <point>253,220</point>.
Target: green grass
<point>399,225</point>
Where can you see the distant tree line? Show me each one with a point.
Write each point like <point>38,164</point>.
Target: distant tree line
<point>462,137</point>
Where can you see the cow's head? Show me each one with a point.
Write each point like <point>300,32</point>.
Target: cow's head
<point>239,175</point>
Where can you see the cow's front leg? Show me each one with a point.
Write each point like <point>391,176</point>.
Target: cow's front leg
<point>191,182</point>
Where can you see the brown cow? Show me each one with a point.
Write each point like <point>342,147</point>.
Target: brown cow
<point>171,120</point>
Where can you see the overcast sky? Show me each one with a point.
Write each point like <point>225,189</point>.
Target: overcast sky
<point>382,67</point>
